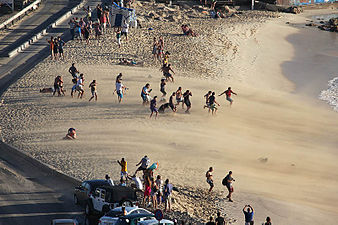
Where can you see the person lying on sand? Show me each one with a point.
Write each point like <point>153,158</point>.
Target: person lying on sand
<point>228,95</point>
<point>71,135</point>
<point>163,107</point>
<point>188,31</point>
<point>47,90</point>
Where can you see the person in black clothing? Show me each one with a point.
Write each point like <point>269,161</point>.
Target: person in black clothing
<point>73,71</point>
<point>248,214</point>
<point>219,220</point>
<point>162,87</point>
<point>268,221</point>
<point>186,101</point>
<point>210,221</point>
<point>171,102</point>
<point>212,103</point>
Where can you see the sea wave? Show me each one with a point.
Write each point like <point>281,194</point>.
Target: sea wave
<point>331,94</point>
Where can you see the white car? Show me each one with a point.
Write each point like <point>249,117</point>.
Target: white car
<point>155,222</point>
<point>111,217</point>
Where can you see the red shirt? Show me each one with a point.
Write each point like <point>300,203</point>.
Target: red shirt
<point>228,92</point>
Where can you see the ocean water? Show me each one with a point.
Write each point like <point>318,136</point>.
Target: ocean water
<point>331,94</point>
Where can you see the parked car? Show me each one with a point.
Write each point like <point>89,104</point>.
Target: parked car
<point>155,222</point>
<point>133,219</point>
<point>65,222</point>
<point>82,192</point>
<point>109,197</point>
<point>113,215</point>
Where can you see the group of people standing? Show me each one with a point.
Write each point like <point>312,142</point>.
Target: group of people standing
<point>56,48</point>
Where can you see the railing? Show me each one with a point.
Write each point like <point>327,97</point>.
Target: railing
<point>19,14</point>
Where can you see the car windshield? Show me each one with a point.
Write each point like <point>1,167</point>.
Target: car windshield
<point>112,213</point>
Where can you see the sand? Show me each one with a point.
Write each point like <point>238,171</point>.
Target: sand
<point>280,145</point>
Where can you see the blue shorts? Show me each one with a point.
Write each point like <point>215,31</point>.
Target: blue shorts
<point>144,97</point>
<point>229,99</point>
<point>154,109</point>
<point>120,94</point>
<point>74,87</point>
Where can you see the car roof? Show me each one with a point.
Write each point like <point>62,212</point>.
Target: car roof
<point>156,221</point>
<point>97,182</point>
<point>133,216</point>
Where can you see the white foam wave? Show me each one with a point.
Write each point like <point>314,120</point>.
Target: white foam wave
<point>331,94</point>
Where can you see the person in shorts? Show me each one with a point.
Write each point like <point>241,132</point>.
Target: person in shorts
<point>219,219</point>
<point>162,87</point>
<point>228,93</point>
<point>179,97</point>
<point>228,184</point>
<point>186,100</point>
<point>171,102</point>
<point>73,71</point>
<point>153,107</point>
<point>92,87</point>
<point>119,89</point>
<point>61,44</point>
<point>212,103</point>
<point>210,180</point>
<point>167,189</point>
<point>144,163</point>
<point>118,38</point>
<point>166,68</point>
<point>79,86</point>
<point>145,93</point>
<point>124,171</point>
<point>125,29</point>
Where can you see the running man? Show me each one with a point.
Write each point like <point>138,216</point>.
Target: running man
<point>73,71</point>
<point>210,180</point>
<point>186,97</point>
<point>92,87</point>
<point>153,107</point>
<point>145,161</point>
<point>248,214</point>
<point>206,96</point>
<point>228,184</point>
<point>212,103</point>
<point>166,72</point>
<point>179,97</point>
<point>171,102</point>
<point>119,88</point>
<point>124,171</point>
<point>228,95</point>
<point>162,87</point>
<point>145,94</point>
<point>79,86</point>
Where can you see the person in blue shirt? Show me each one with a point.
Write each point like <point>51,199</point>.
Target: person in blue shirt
<point>248,213</point>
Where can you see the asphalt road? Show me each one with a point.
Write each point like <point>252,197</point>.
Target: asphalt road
<point>31,193</point>
<point>48,12</point>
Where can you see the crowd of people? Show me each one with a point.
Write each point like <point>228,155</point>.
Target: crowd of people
<point>56,48</point>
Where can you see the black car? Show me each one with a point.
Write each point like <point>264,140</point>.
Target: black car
<point>82,192</point>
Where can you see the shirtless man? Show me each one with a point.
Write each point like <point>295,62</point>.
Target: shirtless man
<point>92,87</point>
<point>228,95</point>
<point>210,180</point>
<point>206,96</point>
<point>179,97</point>
<point>73,71</point>
<point>186,97</point>
<point>166,72</point>
<point>212,103</point>
<point>171,102</point>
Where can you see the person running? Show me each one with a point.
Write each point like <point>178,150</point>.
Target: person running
<point>179,97</point>
<point>210,179</point>
<point>268,221</point>
<point>166,72</point>
<point>143,164</point>
<point>118,78</point>
<point>61,44</point>
<point>186,97</point>
<point>73,71</point>
<point>171,102</point>
<point>211,222</point>
<point>228,95</point>
<point>206,96</point>
<point>153,107</point>
<point>79,86</point>
<point>109,180</point>
<point>92,87</point>
<point>167,189</point>
<point>228,183</point>
<point>124,171</point>
<point>145,94</point>
<point>162,87</point>
<point>219,220</point>
<point>248,214</point>
<point>212,103</point>
<point>155,45</point>
<point>119,89</point>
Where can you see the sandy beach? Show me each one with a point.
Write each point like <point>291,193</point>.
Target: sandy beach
<point>279,140</point>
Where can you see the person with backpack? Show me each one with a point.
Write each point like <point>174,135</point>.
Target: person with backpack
<point>210,180</point>
<point>227,181</point>
<point>248,214</point>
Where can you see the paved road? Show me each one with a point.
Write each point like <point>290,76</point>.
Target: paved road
<point>30,192</point>
<point>48,12</point>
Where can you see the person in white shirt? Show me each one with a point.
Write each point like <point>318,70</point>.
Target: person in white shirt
<point>125,29</point>
<point>119,88</point>
<point>137,181</point>
<point>109,180</point>
<point>79,86</point>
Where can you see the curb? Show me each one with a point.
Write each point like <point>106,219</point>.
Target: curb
<point>39,35</point>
